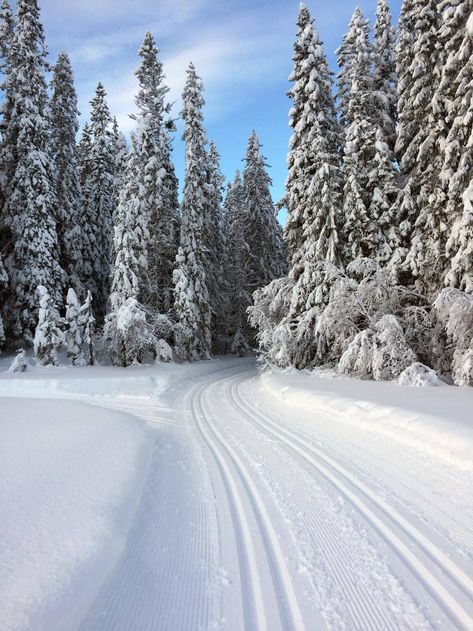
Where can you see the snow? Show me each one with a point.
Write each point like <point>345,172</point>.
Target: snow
<point>233,499</point>
<point>70,478</point>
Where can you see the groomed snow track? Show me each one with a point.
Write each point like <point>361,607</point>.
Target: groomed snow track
<point>251,521</point>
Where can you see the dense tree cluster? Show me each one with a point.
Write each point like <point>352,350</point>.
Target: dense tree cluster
<point>380,201</point>
<point>92,233</point>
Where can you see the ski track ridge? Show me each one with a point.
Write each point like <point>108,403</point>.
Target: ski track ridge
<point>338,476</point>
<point>291,616</point>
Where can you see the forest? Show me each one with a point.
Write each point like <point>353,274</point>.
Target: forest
<point>101,256</point>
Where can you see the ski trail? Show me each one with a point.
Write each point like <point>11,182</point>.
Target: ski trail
<point>339,477</point>
<point>291,616</point>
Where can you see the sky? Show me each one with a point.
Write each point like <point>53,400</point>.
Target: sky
<point>242,49</point>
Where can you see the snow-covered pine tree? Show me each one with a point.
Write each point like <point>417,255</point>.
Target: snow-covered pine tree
<point>3,284</point>
<point>73,333</point>
<point>100,190</point>
<point>354,42</point>
<point>33,256</point>
<point>130,236</point>
<point>419,145</point>
<point>384,72</point>
<point>65,124</point>
<point>7,25</point>
<point>213,247</point>
<point>157,176</point>
<point>236,249</point>
<point>384,184</point>
<point>87,325</point>
<point>191,306</point>
<point>361,233</point>
<point>90,242</point>
<point>48,335</point>
<point>458,162</point>
<point>128,331</point>
<point>120,152</point>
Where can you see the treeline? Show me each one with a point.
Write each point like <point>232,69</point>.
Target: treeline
<point>380,201</point>
<point>92,236</point>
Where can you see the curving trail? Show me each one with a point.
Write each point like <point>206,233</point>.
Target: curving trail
<point>251,519</point>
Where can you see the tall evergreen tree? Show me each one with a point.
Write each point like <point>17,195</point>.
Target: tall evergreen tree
<point>33,256</point>
<point>421,160</point>
<point>192,308</point>
<point>64,117</point>
<point>355,41</point>
<point>157,175</point>
<point>384,72</point>
<point>236,249</point>
<point>361,235</point>
<point>213,242</point>
<point>90,241</point>
<point>101,192</point>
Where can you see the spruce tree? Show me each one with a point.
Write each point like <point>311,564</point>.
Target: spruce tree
<point>421,160</point>
<point>236,249</point>
<point>73,332</point>
<point>191,307</point>
<point>101,192</point>
<point>361,233</point>
<point>266,257</point>
<point>213,243</point>
<point>314,182</point>
<point>157,175</point>
<point>384,72</point>
<point>64,118</point>
<point>355,40</point>
<point>33,256</point>
<point>90,241</point>
<point>48,335</point>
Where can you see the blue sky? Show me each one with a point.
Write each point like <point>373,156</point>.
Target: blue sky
<point>241,48</point>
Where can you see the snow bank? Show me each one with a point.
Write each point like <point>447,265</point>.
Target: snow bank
<point>70,479</point>
<point>437,420</point>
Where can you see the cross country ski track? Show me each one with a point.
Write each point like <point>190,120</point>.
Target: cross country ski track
<point>247,522</point>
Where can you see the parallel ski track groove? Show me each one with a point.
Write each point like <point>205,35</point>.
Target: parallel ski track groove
<point>290,615</point>
<point>336,474</point>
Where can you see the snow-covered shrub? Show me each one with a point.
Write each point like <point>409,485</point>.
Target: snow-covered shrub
<point>163,351</point>
<point>87,326</point>
<point>391,353</point>
<point>128,335</point>
<point>357,360</point>
<point>48,335</point>
<point>240,346</point>
<point>270,308</point>
<point>73,332</point>
<point>419,375</point>
<point>454,309</point>
<point>20,363</point>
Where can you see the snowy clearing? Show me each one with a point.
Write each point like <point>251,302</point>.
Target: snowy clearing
<point>240,501</point>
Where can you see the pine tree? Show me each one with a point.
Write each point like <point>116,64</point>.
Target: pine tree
<point>213,243</point>
<point>422,159</point>
<point>73,333</point>
<point>157,175</point>
<point>102,191</point>
<point>3,284</point>
<point>64,118</point>
<point>361,233</point>
<point>266,258</point>
<point>458,165</point>
<point>130,237</point>
<point>90,241</point>
<point>236,249</point>
<point>87,325</point>
<point>7,26</point>
<point>355,42</point>
<point>384,72</point>
<point>33,257</point>
<point>48,335</point>
<point>192,309</point>
<point>314,182</point>
<point>120,151</point>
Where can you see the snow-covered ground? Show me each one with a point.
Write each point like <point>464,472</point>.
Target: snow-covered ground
<point>208,496</point>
